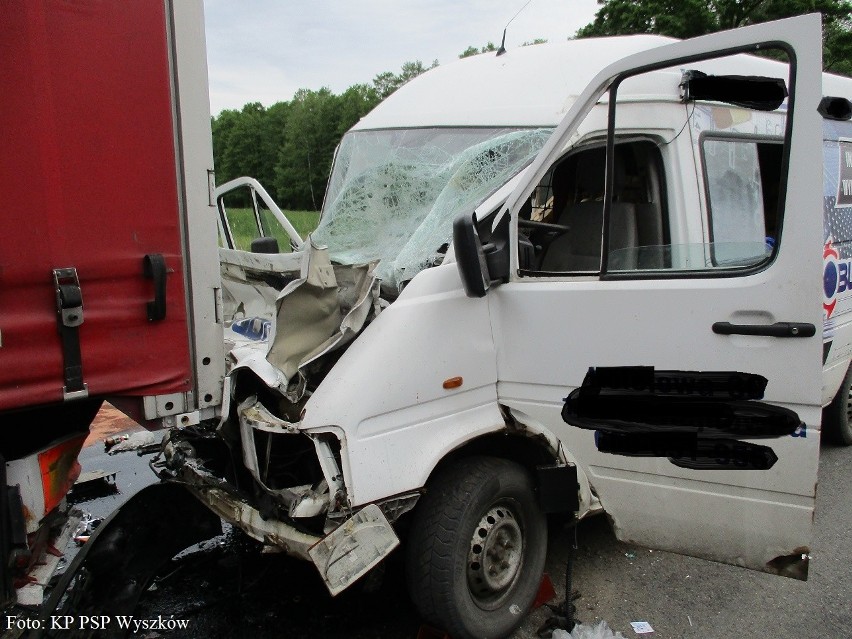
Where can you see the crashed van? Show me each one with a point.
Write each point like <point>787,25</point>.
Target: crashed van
<point>579,277</point>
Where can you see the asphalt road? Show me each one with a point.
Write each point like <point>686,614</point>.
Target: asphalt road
<point>228,589</point>
<point>683,597</point>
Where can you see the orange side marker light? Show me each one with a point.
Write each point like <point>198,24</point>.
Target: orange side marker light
<point>453,382</point>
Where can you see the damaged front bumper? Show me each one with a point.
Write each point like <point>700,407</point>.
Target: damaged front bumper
<point>292,496</point>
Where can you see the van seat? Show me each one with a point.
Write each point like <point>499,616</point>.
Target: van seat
<point>579,248</point>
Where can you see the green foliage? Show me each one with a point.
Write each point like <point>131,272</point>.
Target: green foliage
<point>488,48</point>
<point>304,158</point>
<point>246,142</point>
<point>388,82</point>
<point>244,227</point>
<point>474,51</point>
<point>688,18</point>
<point>289,146</point>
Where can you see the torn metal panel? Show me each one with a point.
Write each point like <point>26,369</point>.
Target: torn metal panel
<point>285,311</point>
<point>307,313</point>
<point>361,541</point>
<point>309,502</point>
<point>270,531</point>
<point>351,548</point>
<point>355,547</point>
<point>251,282</point>
<point>32,593</point>
<point>396,507</point>
<point>303,500</point>
<point>332,471</point>
<point>320,311</point>
<point>253,414</point>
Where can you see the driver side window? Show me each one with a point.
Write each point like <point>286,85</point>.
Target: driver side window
<point>565,227</point>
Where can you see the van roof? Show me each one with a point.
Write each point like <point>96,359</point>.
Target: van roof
<point>536,85</point>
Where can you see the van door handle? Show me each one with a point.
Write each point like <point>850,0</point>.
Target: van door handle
<point>778,329</point>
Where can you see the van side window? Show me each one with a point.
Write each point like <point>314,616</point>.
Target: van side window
<point>561,232</point>
<point>741,178</point>
<point>561,229</point>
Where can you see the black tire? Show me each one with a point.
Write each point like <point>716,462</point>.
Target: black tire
<point>836,418</point>
<point>477,512</point>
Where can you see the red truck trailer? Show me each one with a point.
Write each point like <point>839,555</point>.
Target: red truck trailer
<point>109,275</point>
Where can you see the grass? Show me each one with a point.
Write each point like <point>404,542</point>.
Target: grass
<point>244,227</point>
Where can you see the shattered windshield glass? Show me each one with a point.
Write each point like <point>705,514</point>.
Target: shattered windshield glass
<point>393,194</point>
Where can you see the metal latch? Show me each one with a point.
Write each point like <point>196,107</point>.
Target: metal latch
<point>69,316</point>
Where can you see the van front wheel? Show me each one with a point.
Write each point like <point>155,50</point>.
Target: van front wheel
<point>837,416</point>
<point>476,549</point>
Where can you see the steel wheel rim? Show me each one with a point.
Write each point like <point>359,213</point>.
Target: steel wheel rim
<point>496,554</point>
<point>849,406</point>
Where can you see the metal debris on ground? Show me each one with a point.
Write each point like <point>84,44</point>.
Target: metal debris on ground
<point>112,440</point>
<point>139,440</point>
<point>630,554</point>
<point>85,528</point>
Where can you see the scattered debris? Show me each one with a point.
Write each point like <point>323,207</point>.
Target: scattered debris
<point>139,440</point>
<point>85,528</point>
<point>112,440</point>
<point>641,627</point>
<point>630,554</point>
<point>92,484</point>
<point>600,630</point>
<point>30,590</point>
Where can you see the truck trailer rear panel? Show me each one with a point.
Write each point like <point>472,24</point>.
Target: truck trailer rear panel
<point>105,294</point>
<point>90,184</point>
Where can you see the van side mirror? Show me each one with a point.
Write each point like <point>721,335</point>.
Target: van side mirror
<point>265,245</point>
<point>480,265</point>
<point>470,256</point>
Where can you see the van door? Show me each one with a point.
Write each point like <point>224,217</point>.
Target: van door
<point>690,361</point>
<point>247,213</point>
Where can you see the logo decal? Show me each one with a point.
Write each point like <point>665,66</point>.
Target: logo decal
<point>831,277</point>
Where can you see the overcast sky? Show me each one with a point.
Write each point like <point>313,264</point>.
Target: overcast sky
<point>265,50</point>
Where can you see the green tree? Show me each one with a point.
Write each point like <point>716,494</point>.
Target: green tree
<point>388,82</point>
<point>474,51</point>
<point>289,146</point>
<point>304,159</point>
<point>676,18</point>
<point>223,127</point>
<point>355,103</point>
<point>488,48</point>
<point>688,18</point>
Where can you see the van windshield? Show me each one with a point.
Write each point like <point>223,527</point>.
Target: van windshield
<point>394,193</point>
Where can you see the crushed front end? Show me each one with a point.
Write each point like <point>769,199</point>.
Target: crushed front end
<point>256,467</point>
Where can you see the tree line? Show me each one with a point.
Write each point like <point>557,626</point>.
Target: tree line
<point>289,146</point>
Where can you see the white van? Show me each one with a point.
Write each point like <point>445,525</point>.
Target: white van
<point>412,371</point>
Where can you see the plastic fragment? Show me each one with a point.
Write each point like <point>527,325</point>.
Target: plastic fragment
<point>112,440</point>
<point>85,528</point>
<point>600,630</point>
<point>641,627</point>
<point>135,441</point>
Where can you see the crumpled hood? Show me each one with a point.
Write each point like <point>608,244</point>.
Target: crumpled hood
<point>321,308</point>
